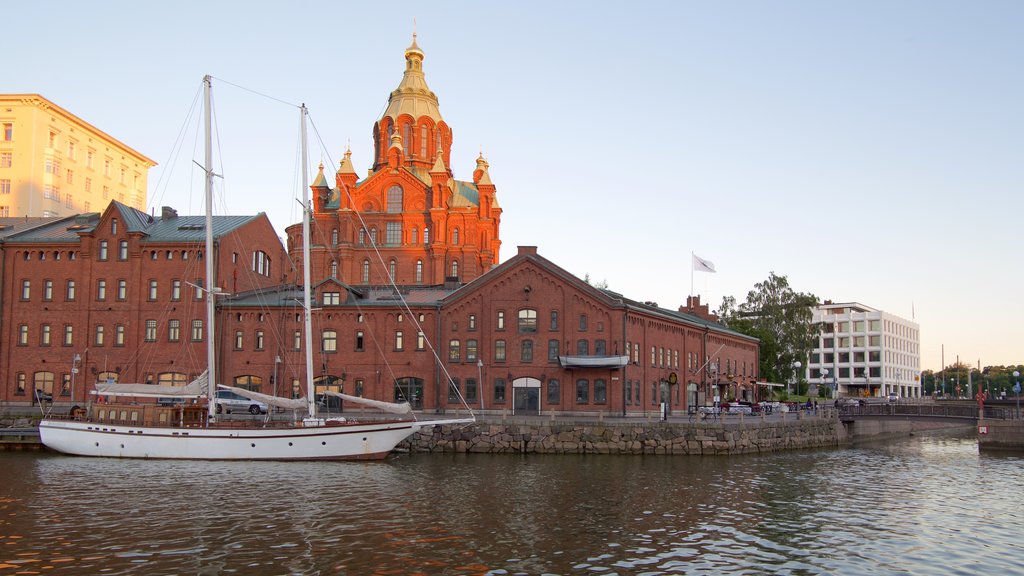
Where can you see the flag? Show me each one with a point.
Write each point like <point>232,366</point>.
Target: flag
<point>702,265</point>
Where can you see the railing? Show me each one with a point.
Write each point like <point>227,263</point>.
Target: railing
<point>967,412</point>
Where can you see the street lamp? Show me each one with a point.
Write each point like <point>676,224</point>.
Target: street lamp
<point>824,378</point>
<point>1016,388</point>
<point>796,374</point>
<point>74,371</point>
<point>480,379</point>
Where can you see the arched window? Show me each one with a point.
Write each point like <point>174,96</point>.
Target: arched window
<point>334,268</point>
<point>426,236</point>
<point>392,266</point>
<point>407,139</point>
<point>373,236</point>
<point>366,271</point>
<point>455,237</point>
<point>334,237</point>
<point>362,235</point>
<point>415,234</point>
<point>455,269</point>
<point>423,141</point>
<point>394,199</point>
<point>329,341</point>
<point>419,271</point>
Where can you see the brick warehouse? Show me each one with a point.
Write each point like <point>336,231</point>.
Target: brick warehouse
<point>522,336</point>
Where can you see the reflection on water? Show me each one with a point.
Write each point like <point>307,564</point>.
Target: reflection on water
<point>928,504</point>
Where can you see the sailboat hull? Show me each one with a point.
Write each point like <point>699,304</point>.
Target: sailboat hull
<point>331,442</point>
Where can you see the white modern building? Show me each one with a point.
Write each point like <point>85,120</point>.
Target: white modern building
<point>863,352</point>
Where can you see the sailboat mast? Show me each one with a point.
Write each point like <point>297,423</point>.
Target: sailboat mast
<point>307,213</point>
<point>210,279</point>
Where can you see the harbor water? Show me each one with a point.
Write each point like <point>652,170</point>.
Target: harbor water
<point>928,504</point>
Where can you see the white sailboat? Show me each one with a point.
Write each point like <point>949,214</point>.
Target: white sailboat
<point>184,432</point>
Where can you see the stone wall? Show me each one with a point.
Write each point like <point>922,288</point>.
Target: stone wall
<point>629,437</point>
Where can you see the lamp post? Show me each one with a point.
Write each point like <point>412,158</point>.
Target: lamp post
<point>480,379</point>
<point>796,375</point>
<point>824,378</point>
<point>1016,389</point>
<point>74,371</point>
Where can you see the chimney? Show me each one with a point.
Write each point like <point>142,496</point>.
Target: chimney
<point>167,213</point>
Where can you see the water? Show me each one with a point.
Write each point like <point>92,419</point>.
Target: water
<point>924,505</point>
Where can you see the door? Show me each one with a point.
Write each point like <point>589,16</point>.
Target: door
<point>526,396</point>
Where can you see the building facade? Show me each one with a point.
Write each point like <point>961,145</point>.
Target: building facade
<point>53,163</point>
<point>864,352</point>
<point>411,302</point>
<point>117,296</point>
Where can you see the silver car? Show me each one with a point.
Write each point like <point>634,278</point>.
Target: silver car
<point>228,401</point>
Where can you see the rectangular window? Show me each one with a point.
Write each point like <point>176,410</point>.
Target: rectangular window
<point>421,341</point>
<point>329,341</point>
<point>527,320</point>
<point>499,350</point>
<point>554,320</point>
<point>26,289</point>
<point>69,293</point>
<point>582,391</point>
<point>582,348</point>
<point>5,186</point>
<point>239,339</point>
<point>8,131</point>
<point>259,340</point>
<point>554,394</point>
<point>198,293</point>
<point>174,330</point>
<point>98,339</point>
<point>472,322</point>
<point>471,350</point>
<point>583,322</point>
<point>399,340</point>
<point>6,159</point>
<point>453,390</point>
<point>122,290</point>
<point>101,290</point>
<point>393,233</point>
<point>44,335</point>
<point>553,350</point>
<point>297,340</point>
<point>175,290</point>
<point>332,298</point>
<point>150,331</point>
<point>47,290</point>
<point>499,390</point>
<point>454,350</point>
<point>359,340</point>
<point>122,250</point>
<point>197,330</point>
<point>69,335</point>
<point>601,393</point>
<point>501,320</point>
<point>152,290</point>
<point>119,335</point>
<point>470,389</point>
<point>526,351</point>
<point>23,335</point>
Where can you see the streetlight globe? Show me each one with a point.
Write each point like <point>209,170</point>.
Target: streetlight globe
<point>1016,374</point>
<point>797,364</point>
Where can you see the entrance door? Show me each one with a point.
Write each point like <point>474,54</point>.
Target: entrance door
<point>526,396</point>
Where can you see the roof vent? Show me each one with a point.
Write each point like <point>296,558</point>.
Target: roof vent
<point>166,212</point>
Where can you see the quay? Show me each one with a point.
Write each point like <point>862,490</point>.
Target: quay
<point>678,434</point>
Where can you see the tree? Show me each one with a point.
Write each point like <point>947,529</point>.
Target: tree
<point>781,319</point>
<point>602,285</point>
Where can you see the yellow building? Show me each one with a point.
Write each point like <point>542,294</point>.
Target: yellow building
<point>53,163</point>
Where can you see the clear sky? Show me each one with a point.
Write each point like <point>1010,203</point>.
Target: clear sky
<point>870,151</point>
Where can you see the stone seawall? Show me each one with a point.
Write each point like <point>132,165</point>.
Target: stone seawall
<point>629,437</point>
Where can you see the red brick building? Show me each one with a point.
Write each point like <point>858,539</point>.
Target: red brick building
<point>410,301</point>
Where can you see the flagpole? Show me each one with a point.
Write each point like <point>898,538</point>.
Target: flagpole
<point>691,272</point>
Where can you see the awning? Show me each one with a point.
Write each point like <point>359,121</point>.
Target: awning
<point>593,361</point>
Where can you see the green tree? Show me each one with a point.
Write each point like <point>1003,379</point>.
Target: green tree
<point>781,318</point>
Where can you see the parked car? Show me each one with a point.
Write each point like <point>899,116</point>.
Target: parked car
<point>228,401</point>
<point>893,397</point>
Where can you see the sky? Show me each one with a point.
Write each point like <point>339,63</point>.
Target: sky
<point>869,151</point>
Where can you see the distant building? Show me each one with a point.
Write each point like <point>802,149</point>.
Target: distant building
<point>862,351</point>
<point>53,163</point>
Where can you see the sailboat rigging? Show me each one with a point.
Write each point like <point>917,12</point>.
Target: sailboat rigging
<point>190,432</point>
